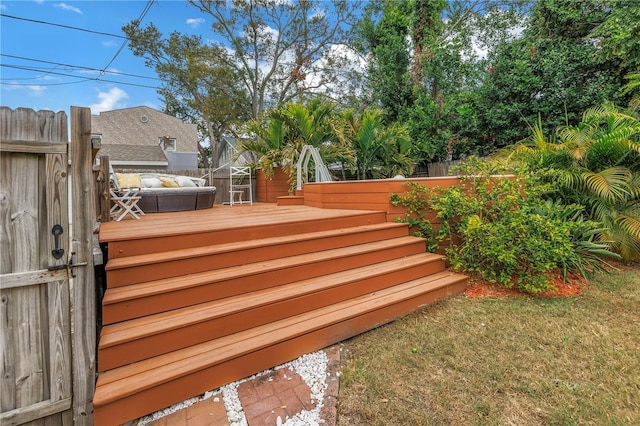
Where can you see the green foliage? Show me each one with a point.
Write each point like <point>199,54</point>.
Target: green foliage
<point>416,204</point>
<point>425,70</point>
<point>595,163</point>
<point>507,233</point>
<point>619,34</point>
<point>554,70</point>
<point>379,150</point>
<point>282,134</point>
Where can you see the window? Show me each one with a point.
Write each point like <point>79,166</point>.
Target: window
<point>168,144</point>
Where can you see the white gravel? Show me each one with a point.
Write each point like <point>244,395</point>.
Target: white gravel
<point>311,367</point>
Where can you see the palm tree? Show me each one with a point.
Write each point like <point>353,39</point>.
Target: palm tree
<point>283,133</point>
<point>598,165</point>
<point>379,150</point>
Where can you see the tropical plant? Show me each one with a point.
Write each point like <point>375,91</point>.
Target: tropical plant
<point>595,163</point>
<point>281,136</point>
<point>379,150</point>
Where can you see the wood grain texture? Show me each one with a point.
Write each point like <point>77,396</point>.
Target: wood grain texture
<point>34,309</point>
<point>84,293</point>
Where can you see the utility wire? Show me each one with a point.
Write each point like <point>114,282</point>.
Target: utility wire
<point>68,75</point>
<point>124,43</point>
<point>4,15</point>
<point>78,67</point>
<point>102,71</point>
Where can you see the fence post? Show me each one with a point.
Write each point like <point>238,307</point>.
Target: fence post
<point>84,293</point>
<point>104,197</point>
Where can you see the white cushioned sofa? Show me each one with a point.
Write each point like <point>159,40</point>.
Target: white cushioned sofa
<point>168,193</point>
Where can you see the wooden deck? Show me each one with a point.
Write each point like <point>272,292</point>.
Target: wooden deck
<point>198,299</point>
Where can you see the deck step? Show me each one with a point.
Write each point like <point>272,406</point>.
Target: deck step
<point>179,235</point>
<point>156,266</point>
<point>143,338</point>
<point>137,389</point>
<point>133,301</point>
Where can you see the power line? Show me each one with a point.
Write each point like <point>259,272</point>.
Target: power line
<point>79,67</point>
<point>102,71</point>
<point>68,75</point>
<point>124,43</point>
<point>4,15</point>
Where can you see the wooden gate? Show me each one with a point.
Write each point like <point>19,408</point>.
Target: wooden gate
<point>47,309</point>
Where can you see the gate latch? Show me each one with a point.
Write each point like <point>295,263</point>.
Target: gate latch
<point>68,266</point>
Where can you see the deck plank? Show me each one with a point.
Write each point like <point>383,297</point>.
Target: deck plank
<point>220,217</point>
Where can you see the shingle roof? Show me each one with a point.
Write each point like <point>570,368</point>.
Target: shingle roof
<point>133,153</point>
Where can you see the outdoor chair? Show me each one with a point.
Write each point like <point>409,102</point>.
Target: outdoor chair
<point>125,198</point>
<point>239,184</point>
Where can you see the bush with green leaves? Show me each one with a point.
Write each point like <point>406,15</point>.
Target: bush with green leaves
<point>506,232</point>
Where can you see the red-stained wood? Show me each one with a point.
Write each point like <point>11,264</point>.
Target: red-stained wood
<point>154,266</point>
<point>196,300</point>
<point>151,297</point>
<point>130,391</point>
<point>152,335</point>
<point>221,224</point>
<point>269,189</point>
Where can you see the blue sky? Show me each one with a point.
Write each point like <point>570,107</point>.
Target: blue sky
<point>53,51</point>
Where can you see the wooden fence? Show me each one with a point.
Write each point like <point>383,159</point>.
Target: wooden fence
<point>47,373</point>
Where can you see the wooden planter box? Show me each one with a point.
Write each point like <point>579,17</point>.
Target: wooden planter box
<point>268,190</point>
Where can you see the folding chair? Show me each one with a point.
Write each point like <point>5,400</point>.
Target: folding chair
<point>125,201</point>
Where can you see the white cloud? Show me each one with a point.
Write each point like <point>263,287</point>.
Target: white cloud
<point>195,22</point>
<point>36,90</point>
<point>32,89</point>
<point>109,43</point>
<point>109,100</point>
<point>67,7</point>
<point>3,7</point>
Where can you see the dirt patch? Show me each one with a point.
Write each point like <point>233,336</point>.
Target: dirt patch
<point>573,286</point>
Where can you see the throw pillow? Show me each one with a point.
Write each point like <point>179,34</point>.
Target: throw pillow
<point>168,182</point>
<point>129,180</point>
<point>185,182</point>
<point>152,183</point>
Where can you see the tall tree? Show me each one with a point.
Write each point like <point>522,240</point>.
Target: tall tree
<point>198,85</point>
<point>384,35</point>
<point>281,49</point>
<point>554,70</point>
<point>426,67</point>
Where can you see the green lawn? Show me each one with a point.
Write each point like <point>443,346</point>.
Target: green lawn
<point>521,361</point>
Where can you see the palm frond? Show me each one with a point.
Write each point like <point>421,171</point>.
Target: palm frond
<point>610,184</point>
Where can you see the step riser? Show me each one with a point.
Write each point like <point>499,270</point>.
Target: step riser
<point>167,269</point>
<point>119,249</point>
<point>134,308</point>
<point>189,385</point>
<point>215,327</point>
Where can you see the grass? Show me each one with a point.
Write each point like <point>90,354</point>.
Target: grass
<point>532,361</point>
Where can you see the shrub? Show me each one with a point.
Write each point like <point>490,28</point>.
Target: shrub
<point>508,233</point>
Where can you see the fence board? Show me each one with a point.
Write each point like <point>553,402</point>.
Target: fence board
<point>24,279</point>
<point>35,331</point>
<point>58,308</point>
<point>84,293</point>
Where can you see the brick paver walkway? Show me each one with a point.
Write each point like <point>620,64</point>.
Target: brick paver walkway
<point>280,393</point>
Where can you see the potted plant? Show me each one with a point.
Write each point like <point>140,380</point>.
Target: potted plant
<point>280,137</point>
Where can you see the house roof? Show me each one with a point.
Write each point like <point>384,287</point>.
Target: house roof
<point>133,154</point>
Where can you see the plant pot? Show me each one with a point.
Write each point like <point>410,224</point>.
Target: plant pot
<point>268,190</point>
